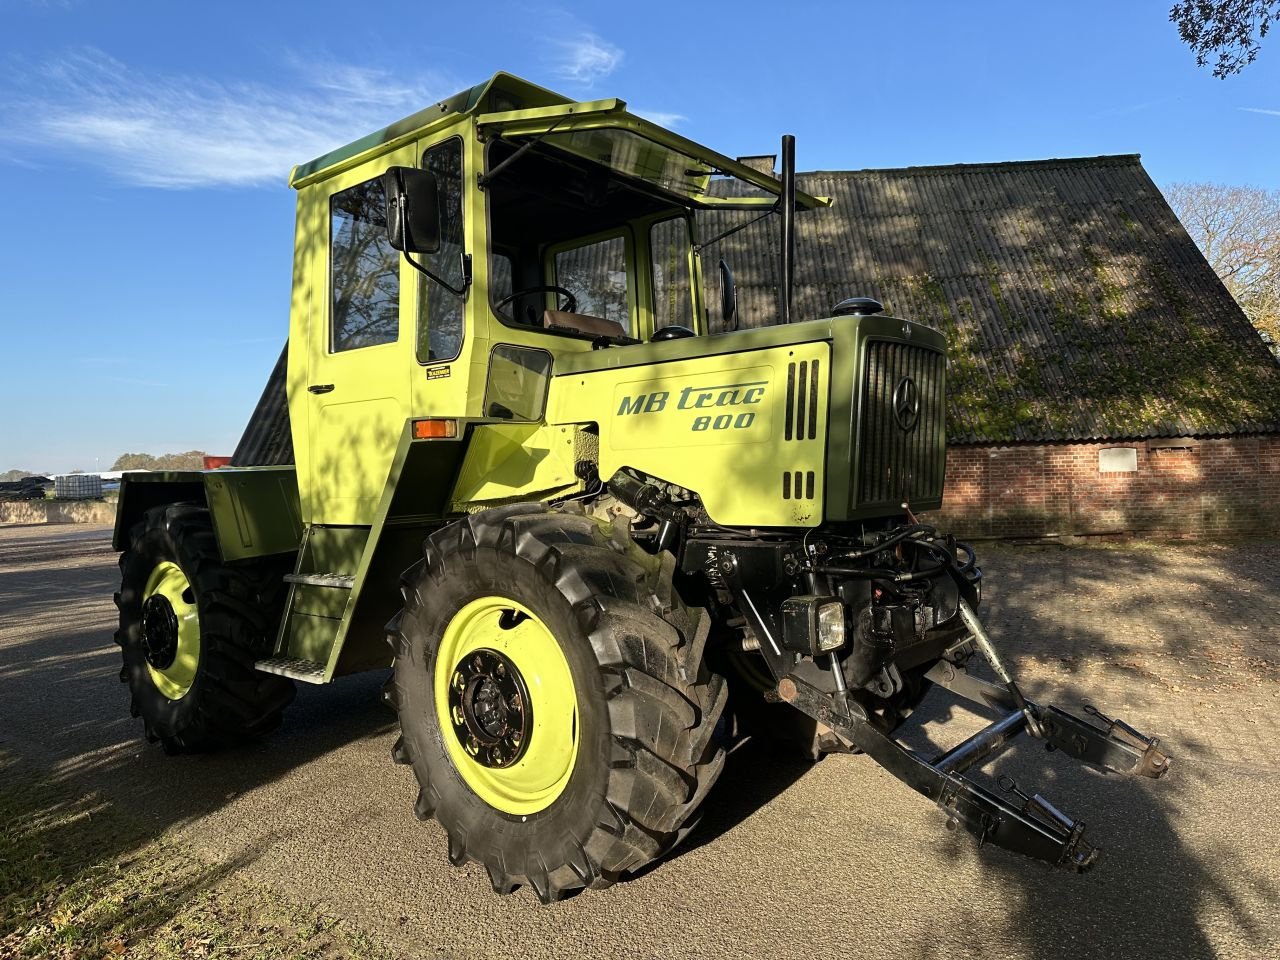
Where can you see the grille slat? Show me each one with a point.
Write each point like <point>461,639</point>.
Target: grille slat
<point>897,464</point>
<point>791,397</point>
<point>813,401</point>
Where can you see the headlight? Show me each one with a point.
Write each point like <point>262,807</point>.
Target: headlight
<point>831,626</point>
<point>813,625</point>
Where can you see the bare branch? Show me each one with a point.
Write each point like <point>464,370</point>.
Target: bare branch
<point>1238,230</point>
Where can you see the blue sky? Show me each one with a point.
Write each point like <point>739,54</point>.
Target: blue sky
<point>144,146</point>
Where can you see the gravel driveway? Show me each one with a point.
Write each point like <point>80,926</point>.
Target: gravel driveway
<point>835,859</point>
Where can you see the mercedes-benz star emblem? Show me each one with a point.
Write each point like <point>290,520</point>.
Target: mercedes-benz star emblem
<point>906,403</point>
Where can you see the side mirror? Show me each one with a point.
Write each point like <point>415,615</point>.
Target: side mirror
<point>413,209</point>
<point>728,297</point>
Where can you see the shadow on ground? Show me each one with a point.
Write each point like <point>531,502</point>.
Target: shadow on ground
<point>1136,630</point>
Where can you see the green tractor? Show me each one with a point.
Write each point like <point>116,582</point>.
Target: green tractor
<point>602,542</point>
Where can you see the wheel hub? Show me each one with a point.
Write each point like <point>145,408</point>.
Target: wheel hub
<point>490,708</point>
<point>159,631</point>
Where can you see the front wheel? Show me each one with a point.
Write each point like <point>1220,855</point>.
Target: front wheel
<point>553,699</point>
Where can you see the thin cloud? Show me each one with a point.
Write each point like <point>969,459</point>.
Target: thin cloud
<point>134,382</point>
<point>586,58</point>
<point>662,118</point>
<point>183,131</point>
<point>1269,113</point>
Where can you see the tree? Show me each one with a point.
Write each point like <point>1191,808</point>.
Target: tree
<point>1238,230</point>
<point>191,460</point>
<point>134,461</point>
<point>9,476</point>
<point>1232,30</point>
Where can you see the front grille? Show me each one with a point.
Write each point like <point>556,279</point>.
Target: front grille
<point>897,464</point>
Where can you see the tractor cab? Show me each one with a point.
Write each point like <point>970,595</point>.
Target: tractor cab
<point>446,262</point>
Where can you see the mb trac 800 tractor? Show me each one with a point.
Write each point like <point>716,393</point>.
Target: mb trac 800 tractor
<point>602,542</point>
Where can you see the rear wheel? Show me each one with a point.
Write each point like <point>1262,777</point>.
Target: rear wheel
<point>553,699</point>
<point>191,627</point>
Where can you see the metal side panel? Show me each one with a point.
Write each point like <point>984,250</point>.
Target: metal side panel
<point>515,460</point>
<point>256,512</point>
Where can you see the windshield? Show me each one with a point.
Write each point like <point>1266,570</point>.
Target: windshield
<point>564,231</point>
<point>633,155</point>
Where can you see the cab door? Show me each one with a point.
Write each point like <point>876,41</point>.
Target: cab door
<point>361,348</point>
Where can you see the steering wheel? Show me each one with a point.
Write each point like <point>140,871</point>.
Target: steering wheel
<point>570,301</point>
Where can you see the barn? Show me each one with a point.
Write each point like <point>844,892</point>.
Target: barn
<point>1101,379</point>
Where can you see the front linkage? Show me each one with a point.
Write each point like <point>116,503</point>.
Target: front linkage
<point>856,624</point>
<point>1032,826</point>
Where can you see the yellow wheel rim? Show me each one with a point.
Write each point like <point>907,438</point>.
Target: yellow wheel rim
<point>171,630</point>
<point>482,643</point>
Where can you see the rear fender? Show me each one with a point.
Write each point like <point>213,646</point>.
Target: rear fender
<point>255,510</point>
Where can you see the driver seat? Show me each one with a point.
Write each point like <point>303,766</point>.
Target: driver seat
<point>582,323</point>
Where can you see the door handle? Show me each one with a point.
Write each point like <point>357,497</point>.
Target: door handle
<point>321,388</point>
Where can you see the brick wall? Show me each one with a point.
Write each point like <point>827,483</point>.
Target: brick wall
<point>1192,488</point>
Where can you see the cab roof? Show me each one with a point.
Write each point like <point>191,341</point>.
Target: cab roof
<point>509,106</point>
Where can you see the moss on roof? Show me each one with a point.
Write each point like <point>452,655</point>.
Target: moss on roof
<point>1076,304</point>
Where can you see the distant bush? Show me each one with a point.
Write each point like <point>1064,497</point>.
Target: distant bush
<point>191,460</point>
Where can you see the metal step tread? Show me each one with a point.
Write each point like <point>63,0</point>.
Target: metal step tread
<point>340,580</point>
<point>308,671</point>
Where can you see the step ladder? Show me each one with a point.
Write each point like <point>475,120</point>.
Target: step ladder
<point>316,605</point>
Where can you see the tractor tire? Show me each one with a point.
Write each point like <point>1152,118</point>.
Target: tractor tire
<point>191,627</point>
<point>604,765</point>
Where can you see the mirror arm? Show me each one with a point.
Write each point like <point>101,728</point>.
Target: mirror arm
<point>459,292</point>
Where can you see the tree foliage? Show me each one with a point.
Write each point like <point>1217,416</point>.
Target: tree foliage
<point>1230,30</point>
<point>1238,230</point>
<point>191,460</point>
<point>9,476</point>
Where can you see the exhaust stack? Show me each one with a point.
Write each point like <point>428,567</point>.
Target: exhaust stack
<point>788,202</point>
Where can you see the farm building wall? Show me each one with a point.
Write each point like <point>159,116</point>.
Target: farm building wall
<point>1167,487</point>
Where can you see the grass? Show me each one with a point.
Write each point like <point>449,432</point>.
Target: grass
<point>81,880</point>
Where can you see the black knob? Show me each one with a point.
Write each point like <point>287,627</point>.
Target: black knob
<point>858,307</point>
<point>673,332</point>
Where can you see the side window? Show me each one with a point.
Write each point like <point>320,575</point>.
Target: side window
<point>672,295</point>
<point>439,311</point>
<point>364,270</point>
<point>596,273</point>
<point>517,384</point>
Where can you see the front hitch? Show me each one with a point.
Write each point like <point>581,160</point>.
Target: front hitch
<point>1034,827</point>
<point>1117,747</point>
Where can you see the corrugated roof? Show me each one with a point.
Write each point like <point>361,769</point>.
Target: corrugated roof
<point>1077,306</point>
<point>267,439</point>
